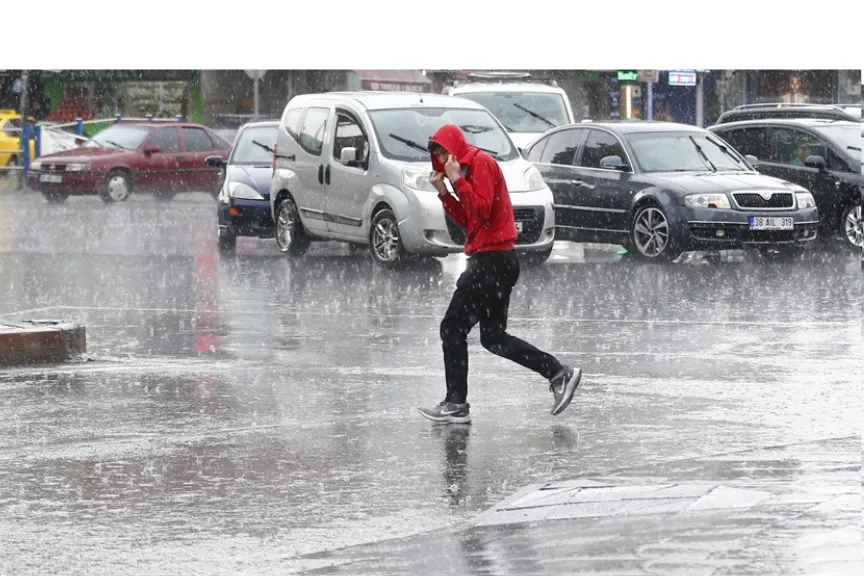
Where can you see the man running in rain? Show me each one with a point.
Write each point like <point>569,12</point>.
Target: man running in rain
<point>483,290</point>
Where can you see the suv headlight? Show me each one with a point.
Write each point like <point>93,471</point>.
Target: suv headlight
<point>534,179</point>
<point>417,180</point>
<point>240,190</point>
<point>706,201</point>
<point>78,167</point>
<point>805,200</point>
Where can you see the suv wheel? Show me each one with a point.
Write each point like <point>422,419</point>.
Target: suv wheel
<point>853,228</point>
<point>651,235</point>
<point>384,240</point>
<point>290,236</point>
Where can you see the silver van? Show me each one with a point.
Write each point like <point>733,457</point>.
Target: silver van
<point>353,167</point>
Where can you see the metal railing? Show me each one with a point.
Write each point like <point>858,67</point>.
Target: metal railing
<point>23,152</point>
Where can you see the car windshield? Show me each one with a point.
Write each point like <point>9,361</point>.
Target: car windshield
<point>246,151</point>
<point>417,125</point>
<point>684,152</point>
<point>124,137</point>
<point>523,111</point>
<point>845,136</point>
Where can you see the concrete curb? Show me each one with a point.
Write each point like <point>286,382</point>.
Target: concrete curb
<point>40,341</point>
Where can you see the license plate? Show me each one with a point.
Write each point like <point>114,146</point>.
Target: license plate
<point>52,178</point>
<point>771,223</point>
<point>519,227</point>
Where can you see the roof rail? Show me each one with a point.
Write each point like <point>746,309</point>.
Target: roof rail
<point>786,105</point>
<point>501,76</point>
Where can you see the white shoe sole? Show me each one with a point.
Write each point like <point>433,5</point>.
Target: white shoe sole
<point>447,419</point>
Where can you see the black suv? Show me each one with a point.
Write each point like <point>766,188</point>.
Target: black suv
<point>787,111</point>
<point>823,156</point>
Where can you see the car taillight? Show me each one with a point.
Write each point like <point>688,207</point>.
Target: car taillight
<point>275,152</point>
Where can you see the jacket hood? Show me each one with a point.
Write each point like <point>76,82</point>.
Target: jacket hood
<point>451,138</point>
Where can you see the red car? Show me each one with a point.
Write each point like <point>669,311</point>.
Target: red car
<point>159,157</point>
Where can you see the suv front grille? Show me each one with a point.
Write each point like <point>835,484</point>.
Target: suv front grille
<point>777,201</point>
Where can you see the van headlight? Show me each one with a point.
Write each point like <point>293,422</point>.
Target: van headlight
<point>534,179</point>
<point>240,190</point>
<point>417,180</point>
<point>706,201</point>
<point>805,200</point>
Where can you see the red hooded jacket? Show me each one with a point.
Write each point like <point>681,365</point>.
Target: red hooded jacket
<point>483,207</point>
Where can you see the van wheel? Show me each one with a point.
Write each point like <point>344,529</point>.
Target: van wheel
<point>291,238</point>
<point>117,187</point>
<point>385,244</point>
<point>651,235</point>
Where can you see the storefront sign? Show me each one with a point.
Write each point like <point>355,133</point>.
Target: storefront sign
<point>649,75</point>
<point>628,75</point>
<point>682,78</point>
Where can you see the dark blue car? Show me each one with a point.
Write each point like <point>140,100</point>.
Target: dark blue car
<point>244,197</point>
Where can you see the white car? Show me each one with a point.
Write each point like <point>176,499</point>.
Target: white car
<point>353,167</point>
<point>526,109</point>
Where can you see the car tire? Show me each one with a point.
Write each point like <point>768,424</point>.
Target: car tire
<point>537,258</point>
<point>165,196</point>
<point>55,197</point>
<point>226,243</point>
<point>852,228</point>
<point>385,242</point>
<point>117,187</point>
<point>291,238</point>
<point>652,237</point>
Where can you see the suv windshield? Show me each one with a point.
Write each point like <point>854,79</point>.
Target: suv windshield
<point>247,152</point>
<point>124,137</point>
<point>847,137</point>
<point>680,152</point>
<point>523,111</point>
<point>419,124</point>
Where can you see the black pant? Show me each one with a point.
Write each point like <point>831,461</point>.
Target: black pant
<point>483,295</point>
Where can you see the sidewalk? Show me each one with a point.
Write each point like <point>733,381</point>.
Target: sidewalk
<point>776,511</point>
<point>40,341</point>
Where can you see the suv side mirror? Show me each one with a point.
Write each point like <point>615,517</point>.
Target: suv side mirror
<point>612,163</point>
<point>815,161</point>
<point>214,161</point>
<point>150,150</point>
<point>751,159</point>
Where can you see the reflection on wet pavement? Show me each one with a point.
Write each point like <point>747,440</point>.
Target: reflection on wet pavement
<point>242,411</point>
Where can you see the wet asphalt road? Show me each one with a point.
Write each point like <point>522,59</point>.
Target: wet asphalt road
<point>243,411</point>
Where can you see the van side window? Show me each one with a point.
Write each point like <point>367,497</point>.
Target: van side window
<point>349,134</point>
<point>292,119</point>
<point>311,136</point>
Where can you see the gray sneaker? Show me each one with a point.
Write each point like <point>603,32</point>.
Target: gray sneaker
<point>563,386</point>
<point>448,412</point>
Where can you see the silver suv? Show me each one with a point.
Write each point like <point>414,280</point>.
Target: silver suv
<point>354,167</point>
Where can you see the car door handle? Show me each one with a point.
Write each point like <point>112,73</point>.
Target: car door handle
<point>320,173</point>
<point>178,158</point>
<point>327,175</point>
<point>582,184</point>
<point>576,182</point>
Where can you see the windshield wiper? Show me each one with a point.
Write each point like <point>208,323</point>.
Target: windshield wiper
<point>412,144</point>
<point>725,150</point>
<point>409,143</point>
<point>264,146</point>
<point>536,115</point>
<point>116,145</point>
<point>702,154</point>
<point>474,129</point>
